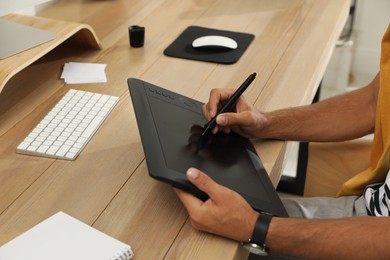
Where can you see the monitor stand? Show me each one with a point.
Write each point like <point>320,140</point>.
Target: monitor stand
<point>52,33</point>
<point>16,38</point>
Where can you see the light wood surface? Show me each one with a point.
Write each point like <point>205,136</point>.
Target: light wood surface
<point>107,186</point>
<point>74,33</point>
<point>331,164</point>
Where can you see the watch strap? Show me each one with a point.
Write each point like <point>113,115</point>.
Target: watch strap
<point>261,228</point>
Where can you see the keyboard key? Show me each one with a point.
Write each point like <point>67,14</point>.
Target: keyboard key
<point>67,128</point>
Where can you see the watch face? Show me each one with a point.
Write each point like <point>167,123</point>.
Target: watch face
<point>255,249</point>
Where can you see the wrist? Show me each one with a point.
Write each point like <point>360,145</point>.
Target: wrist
<point>257,242</point>
<point>252,223</point>
<point>260,230</point>
<point>264,125</point>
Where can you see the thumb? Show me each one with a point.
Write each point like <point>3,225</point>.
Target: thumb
<point>204,183</point>
<point>232,119</point>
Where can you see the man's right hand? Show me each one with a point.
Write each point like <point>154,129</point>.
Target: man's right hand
<point>244,120</point>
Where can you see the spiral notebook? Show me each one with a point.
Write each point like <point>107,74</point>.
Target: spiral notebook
<point>63,237</point>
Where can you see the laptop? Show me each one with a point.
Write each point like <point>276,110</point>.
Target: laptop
<point>170,126</point>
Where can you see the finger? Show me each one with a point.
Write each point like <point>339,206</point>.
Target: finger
<point>217,96</point>
<point>212,104</point>
<point>205,111</point>
<point>206,114</point>
<point>234,119</point>
<point>226,130</point>
<point>190,202</point>
<point>216,129</point>
<point>205,183</point>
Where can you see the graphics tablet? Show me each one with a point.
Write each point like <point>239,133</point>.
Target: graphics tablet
<point>170,127</point>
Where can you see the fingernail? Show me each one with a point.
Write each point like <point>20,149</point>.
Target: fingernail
<point>211,113</point>
<point>192,174</point>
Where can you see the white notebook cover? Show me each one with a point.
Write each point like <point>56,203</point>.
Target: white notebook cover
<point>63,237</point>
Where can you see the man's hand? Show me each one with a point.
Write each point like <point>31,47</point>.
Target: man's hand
<point>244,120</point>
<point>225,213</point>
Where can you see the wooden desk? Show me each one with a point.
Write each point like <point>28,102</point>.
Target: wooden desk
<point>108,186</point>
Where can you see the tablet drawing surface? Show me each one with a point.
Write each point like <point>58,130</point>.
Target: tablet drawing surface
<point>170,126</point>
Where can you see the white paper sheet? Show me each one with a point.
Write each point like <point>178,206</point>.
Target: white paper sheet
<point>81,73</point>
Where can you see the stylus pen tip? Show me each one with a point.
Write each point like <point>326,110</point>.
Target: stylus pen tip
<point>204,131</point>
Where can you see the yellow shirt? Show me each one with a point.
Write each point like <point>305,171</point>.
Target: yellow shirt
<point>380,153</point>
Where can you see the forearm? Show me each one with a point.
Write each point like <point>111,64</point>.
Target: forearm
<point>352,238</point>
<point>340,118</point>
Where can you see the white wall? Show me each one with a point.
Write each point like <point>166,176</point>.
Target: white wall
<point>356,65</point>
<point>38,8</point>
<point>43,6</point>
<point>372,19</point>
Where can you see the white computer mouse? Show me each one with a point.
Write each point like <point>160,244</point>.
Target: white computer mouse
<point>214,41</point>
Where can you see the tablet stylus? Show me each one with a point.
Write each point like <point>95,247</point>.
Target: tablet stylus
<point>230,103</point>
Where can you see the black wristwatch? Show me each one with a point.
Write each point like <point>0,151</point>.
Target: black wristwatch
<point>256,243</point>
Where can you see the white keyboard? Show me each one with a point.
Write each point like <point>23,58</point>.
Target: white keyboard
<point>66,129</point>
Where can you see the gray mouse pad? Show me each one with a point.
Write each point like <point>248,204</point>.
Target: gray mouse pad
<point>181,47</point>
